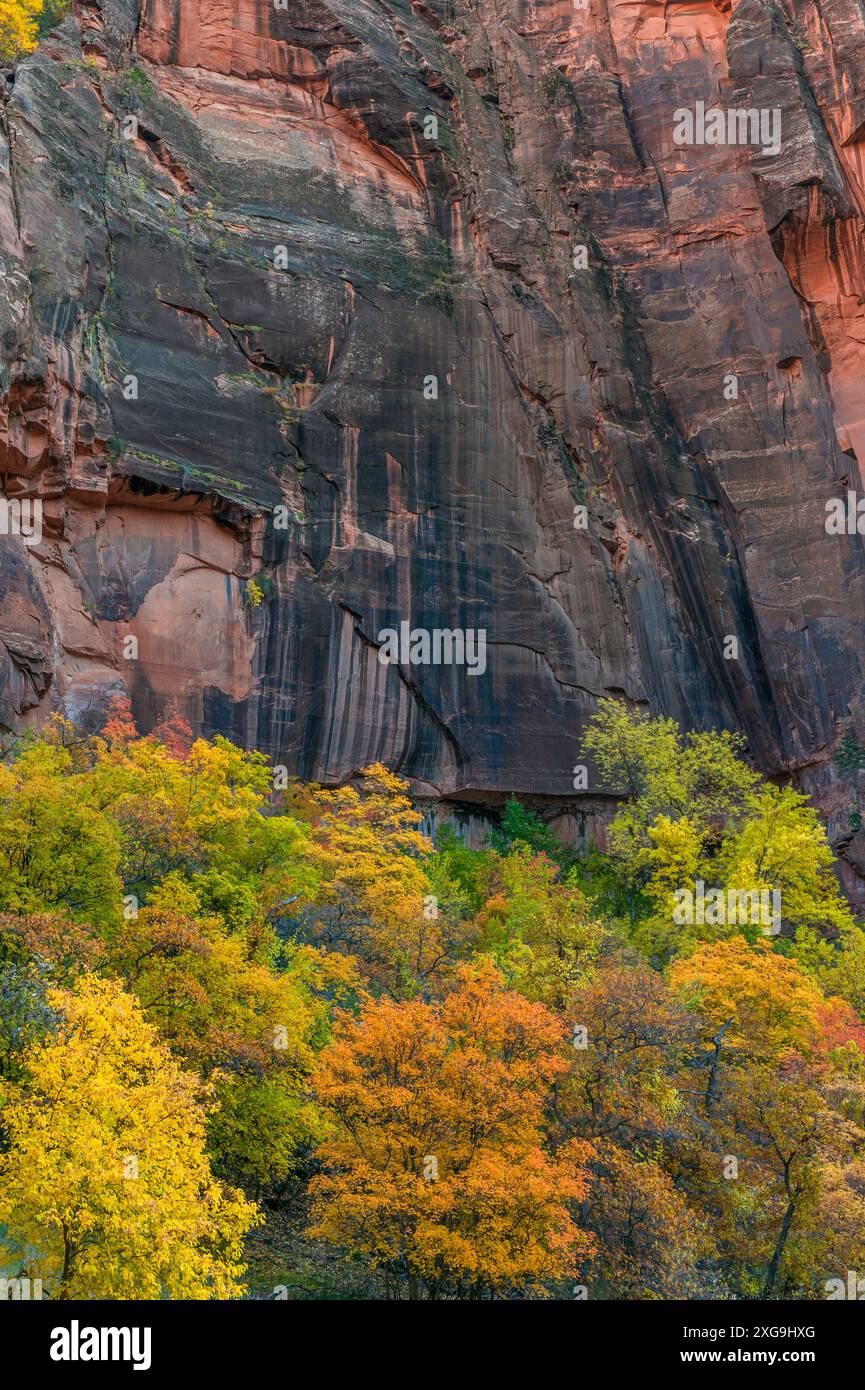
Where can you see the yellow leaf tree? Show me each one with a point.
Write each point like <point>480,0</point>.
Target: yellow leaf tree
<point>376,900</point>
<point>19,27</point>
<point>105,1186</point>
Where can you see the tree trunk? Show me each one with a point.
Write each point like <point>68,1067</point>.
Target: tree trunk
<point>774,1263</point>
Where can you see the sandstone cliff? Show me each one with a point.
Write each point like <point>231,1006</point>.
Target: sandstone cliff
<point>219,323</point>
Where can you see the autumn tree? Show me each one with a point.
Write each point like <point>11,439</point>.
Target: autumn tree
<point>839,1218</point>
<point>629,1090</point>
<point>246,1026</point>
<point>774,1049</point>
<point>782,845</point>
<point>539,930</point>
<point>82,833</point>
<point>786,1135</point>
<point>201,816</point>
<point>19,27</point>
<point>436,1171</point>
<point>661,771</point>
<point>765,1003</point>
<point>174,732</point>
<point>106,1182</point>
<point>37,950</point>
<point>59,850</point>
<point>119,725</point>
<point>651,1241</point>
<point>695,812</point>
<point>630,1037</point>
<point>376,901</point>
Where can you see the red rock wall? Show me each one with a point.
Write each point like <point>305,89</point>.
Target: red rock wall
<point>302,387</point>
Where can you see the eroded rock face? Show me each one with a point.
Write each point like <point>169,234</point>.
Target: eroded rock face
<point>219,329</point>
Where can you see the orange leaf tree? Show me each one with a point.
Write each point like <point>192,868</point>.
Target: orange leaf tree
<point>436,1170</point>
